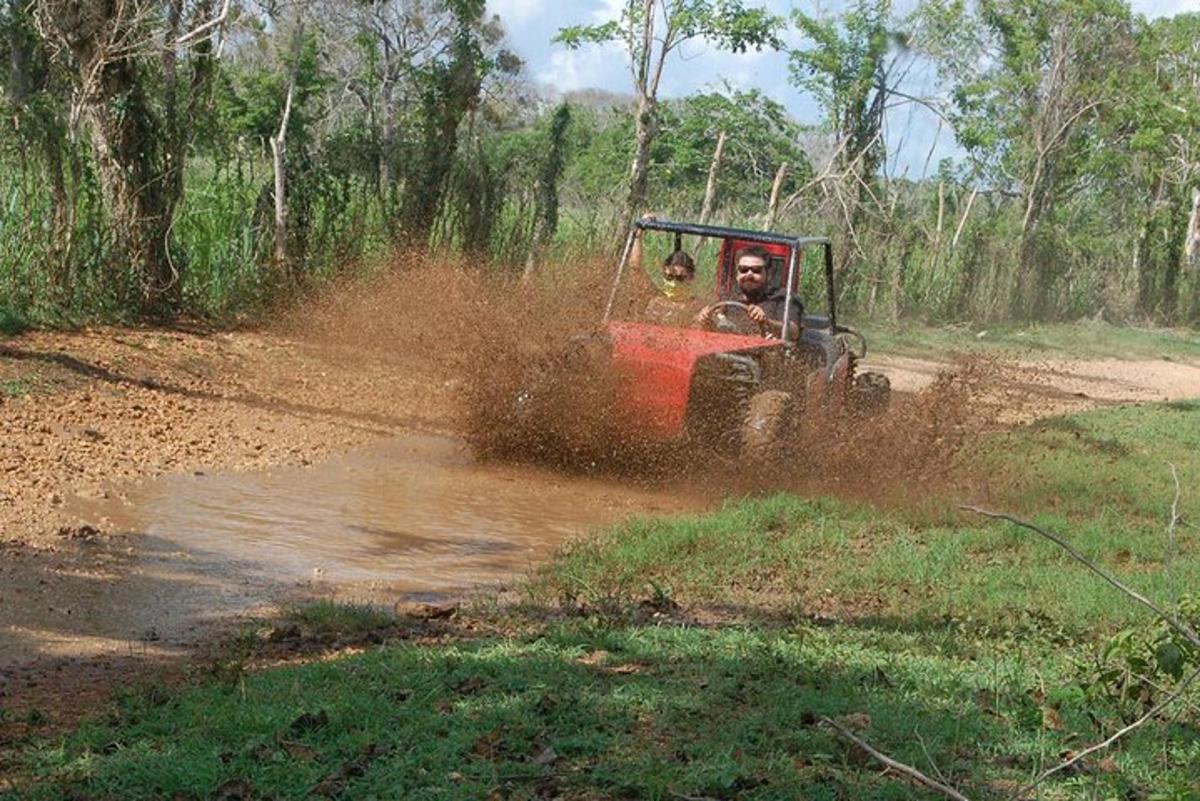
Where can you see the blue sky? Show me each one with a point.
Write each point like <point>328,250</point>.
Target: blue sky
<point>911,131</point>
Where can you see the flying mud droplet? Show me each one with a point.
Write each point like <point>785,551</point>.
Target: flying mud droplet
<point>525,366</point>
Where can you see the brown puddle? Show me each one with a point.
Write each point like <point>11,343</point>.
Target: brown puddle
<point>411,517</point>
<point>418,514</point>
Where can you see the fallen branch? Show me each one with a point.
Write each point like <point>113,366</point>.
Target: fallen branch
<point>1182,628</point>
<point>1163,704</point>
<point>892,764</point>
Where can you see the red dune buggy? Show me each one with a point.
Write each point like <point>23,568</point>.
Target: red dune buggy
<point>743,393</point>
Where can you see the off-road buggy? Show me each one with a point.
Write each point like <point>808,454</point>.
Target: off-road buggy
<point>726,389</point>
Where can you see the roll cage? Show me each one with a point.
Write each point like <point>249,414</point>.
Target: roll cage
<point>784,246</point>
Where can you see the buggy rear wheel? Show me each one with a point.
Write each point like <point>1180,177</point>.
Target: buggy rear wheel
<point>766,423</point>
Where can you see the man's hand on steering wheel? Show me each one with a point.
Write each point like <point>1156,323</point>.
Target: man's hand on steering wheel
<point>754,313</point>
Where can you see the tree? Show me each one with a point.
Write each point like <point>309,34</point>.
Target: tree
<point>848,69</point>
<point>120,54</point>
<point>650,30</point>
<point>1030,82</point>
<point>546,221</point>
<point>1158,121</point>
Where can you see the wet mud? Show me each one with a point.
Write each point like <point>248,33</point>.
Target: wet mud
<point>411,517</point>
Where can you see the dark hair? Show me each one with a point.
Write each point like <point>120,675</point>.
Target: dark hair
<point>680,259</point>
<point>752,250</point>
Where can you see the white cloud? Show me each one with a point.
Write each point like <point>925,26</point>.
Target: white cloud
<point>1165,8</point>
<point>593,66</point>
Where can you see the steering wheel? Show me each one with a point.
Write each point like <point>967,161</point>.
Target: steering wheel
<point>737,304</point>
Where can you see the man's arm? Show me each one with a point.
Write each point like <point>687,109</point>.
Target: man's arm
<point>640,278</point>
<point>770,324</point>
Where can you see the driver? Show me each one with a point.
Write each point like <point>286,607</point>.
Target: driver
<point>764,310</point>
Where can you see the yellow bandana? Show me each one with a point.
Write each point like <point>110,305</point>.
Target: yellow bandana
<point>676,291</point>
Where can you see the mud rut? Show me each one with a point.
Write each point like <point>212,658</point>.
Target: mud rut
<point>161,483</point>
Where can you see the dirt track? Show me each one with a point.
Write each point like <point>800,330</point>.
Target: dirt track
<point>87,415</point>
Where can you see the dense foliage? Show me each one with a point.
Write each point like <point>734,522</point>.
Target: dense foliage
<point>172,157</point>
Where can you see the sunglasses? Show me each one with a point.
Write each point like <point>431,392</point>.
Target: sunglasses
<point>751,268</point>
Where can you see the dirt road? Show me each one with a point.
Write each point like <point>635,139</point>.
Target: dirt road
<point>152,481</point>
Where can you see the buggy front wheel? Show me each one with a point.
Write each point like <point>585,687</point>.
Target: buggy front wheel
<point>766,423</point>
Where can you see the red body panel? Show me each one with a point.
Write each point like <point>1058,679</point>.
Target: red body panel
<point>657,363</point>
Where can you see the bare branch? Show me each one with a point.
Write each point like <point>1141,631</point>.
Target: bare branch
<point>962,223</point>
<point>1169,555</point>
<point>892,764</point>
<point>205,30</point>
<point>1182,628</point>
<point>1158,708</point>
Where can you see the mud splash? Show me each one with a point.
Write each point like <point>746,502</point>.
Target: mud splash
<point>493,335</point>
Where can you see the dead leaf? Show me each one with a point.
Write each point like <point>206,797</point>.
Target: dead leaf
<point>855,721</point>
<point>628,668</point>
<point>546,757</point>
<point>427,611</point>
<point>300,751</point>
<point>309,721</point>
<point>329,787</point>
<point>1051,719</point>
<point>486,745</point>
<point>470,686</point>
<point>593,658</point>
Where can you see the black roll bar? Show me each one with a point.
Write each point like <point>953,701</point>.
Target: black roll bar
<point>797,243</point>
<point>720,232</point>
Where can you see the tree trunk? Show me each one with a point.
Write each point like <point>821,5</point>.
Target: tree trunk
<point>1192,249</point>
<point>138,154</point>
<point>773,203</point>
<point>445,103</point>
<point>710,188</point>
<point>546,222</point>
<point>639,172</point>
<point>126,139</point>
<point>278,153</point>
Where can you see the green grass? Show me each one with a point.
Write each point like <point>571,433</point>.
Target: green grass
<point>12,321</point>
<point>695,657</point>
<point>1064,340</point>
<point>331,617</point>
<point>15,388</point>
<point>592,711</point>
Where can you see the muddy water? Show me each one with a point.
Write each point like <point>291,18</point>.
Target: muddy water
<point>417,514</point>
<point>415,517</point>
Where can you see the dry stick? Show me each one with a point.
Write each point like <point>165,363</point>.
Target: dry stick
<point>1163,704</point>
<point>961,223</point>
<point>1169,556</point>
<point>924,750</point>
<point>1168,618</point>
<point>899,767</point>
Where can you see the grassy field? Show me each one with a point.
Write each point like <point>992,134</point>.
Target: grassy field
<point>699,658</point>
<point>1080,340</point>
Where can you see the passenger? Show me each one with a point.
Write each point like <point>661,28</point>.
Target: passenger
<point>674,303</point>
<point>764,310</point>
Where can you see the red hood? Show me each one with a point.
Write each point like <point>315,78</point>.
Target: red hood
<point>657,364</point>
